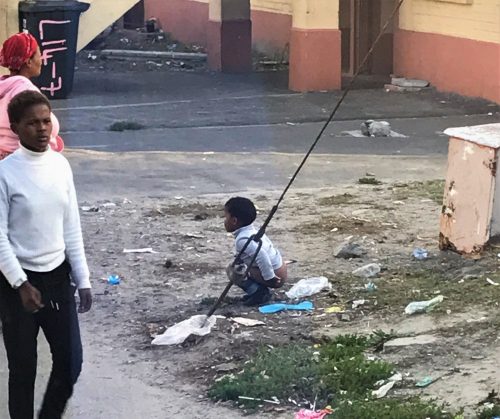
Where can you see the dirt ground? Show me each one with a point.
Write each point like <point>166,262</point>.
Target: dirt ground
<point>139,40</point>
<point>186,273</point>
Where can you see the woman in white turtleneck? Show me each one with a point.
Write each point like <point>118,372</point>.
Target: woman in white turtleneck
<point>42,258</point>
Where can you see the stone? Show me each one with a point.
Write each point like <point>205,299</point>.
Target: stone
<point>230,366</point>
<point>410,341</point>
<point>348,250</point>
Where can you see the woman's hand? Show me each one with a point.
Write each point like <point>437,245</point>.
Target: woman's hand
<point>85,295</point>
<point>30,297</point>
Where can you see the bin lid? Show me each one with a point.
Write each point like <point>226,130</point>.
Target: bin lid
<point>486,135</point>
<point>53,6</point>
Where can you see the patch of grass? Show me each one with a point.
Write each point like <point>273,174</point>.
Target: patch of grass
<point>290,371</point>
<point>343,224</point>
<point>336,373</point>
<point>120,126</point>
<point>392,409</point>
<point>343,199</point>
<point>306,373</point>
<point>489,413</point>
<point>369,181</point>
<point>430,189</point>
<point>406,286</point>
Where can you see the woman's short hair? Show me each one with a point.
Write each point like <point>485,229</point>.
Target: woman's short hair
<point>24,100</point>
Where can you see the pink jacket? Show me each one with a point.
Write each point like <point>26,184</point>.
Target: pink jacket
<point>9,87</point>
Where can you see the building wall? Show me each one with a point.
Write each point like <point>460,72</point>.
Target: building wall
<point>456,46</point>
<point>187,20</point>
<point>271,25</point>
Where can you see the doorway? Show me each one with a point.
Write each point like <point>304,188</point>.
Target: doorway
<point>360,21</point>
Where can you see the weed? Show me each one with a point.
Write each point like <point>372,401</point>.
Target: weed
<point>125,126</point>
<point>430,189</point>
<point>342,224</point>
<point>391,409</point>
<point>489,412</point>
<point>369,181</point>
<point>343,199</point>
<point>336,373</point>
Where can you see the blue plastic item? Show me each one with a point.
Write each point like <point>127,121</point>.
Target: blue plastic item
<point>114,280</point>
<point>420,254</point>
<point>275,308</point>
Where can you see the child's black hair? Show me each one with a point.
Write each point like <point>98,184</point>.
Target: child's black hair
<point>243,209</point>
<point>24,100</point>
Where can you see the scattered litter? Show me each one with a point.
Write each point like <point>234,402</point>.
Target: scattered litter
<point>423,306</point>
<point>109,205</point>
<point>198,325</point>
<point>142,250</point>
<point>348,250</point>
<point>359,134</point>
<point>401,84</point>
<point>90,208</point>
<point>396,377</point>
<point>425,382</point>
<point>273,401</point>
<point>113,280</point>
<point>491,282</point>
<point>291,124</point>
<point>420,253</point>
<point>367,271</point>
<point>308,286</point>
<point>168,264</point>
<point>247,322</point>
<point>382,391</point>
<point>275,308</point>
<point>313,414</point>
<point>357,303</point>
<point>334,309</point>
<point>194,236</point>
<point>344,317</point>
<point>227,367</point>
<point>370,287</point>
<point>373,128</point>
<point>404,82</point>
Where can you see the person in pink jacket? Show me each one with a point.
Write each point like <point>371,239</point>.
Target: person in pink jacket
<point>21,55</point>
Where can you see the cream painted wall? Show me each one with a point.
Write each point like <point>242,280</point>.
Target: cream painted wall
<point>9,23</point>
<point>101,14</point>
<point>273,6</point>
<point>478,21</point>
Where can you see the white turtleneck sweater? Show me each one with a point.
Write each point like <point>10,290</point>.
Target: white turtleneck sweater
<point>39,218</point>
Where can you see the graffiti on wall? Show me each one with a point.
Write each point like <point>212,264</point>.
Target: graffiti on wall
<point>50,49</point>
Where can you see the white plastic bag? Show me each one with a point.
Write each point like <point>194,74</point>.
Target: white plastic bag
<point>423,306</point>
<point>197,325</point>
<point>308,286</point>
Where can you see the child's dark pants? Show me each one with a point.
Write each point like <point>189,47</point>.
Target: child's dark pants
<point>59,322</point>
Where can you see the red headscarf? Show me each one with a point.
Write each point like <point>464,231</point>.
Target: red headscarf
<point>17,50</point>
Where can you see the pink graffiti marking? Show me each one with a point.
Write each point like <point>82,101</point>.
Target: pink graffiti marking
<point>47,53</point>
<point>52,89</point>
<point>62,42</point>
<point>49,47</point>
<point>50,22</point>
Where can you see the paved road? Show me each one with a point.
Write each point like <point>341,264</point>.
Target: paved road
<point>224,113</point>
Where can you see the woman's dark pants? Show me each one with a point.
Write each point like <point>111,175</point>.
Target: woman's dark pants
<point>59,322</point>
